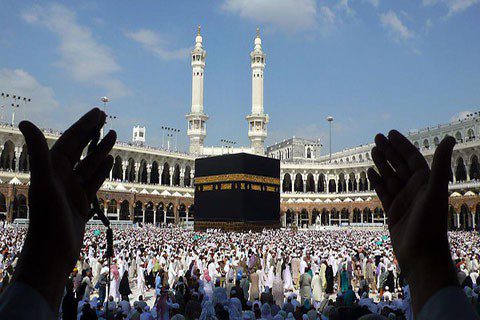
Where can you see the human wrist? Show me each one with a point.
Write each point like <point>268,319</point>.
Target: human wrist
<point>427,276</point>
<point>43,275</point>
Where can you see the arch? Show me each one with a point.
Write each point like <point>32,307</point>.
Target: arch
<point>321,183</point>
<point>378,215</point>
<point>101,204</point>
<point>154,176</point>
<point>344,216</point>
<point>324,220</point>
<point>117,170</point>
<point>357,216</point>
<point>367,215</point>
<point>130,173</point>
<point>452,220</point>
<point>416,145</point>
<point>186,176</point>
<point>465,218</point>
<point>477,217</point>
<point>149,213</point>
<point>334,217</point>
<point>289,217</point>
<point>160,213</point>
<point>310,184</point>
<point>316,219</point>
<point>352,182</point>
<point>7,158</point>
<point>332,186</point>
<point>142,172</point>
<point>23,165</point>
<point>20,209</point>
<point>176,175</point>
<point>470,135</point>
<point>458,136</point>
<point>3,204</point>
<point>342,185</point>
<point>474,168</point>
<point>112,208</point>
<point>304,219</point>
<point>191,212</point>
<point>182,212</point>
<point>460,171</point>
<point>426,144</point>
<point>309,153</point>
<point>125,210</point>
<point>287,183</point>
<point>166,174</point>
<point>298,187</point>
<point>170,214</point>
<point>436,141</point>
<point>138,212</point>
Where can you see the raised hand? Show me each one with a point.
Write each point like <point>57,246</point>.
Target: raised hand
<point>416,201</point>
<point>61,189</point>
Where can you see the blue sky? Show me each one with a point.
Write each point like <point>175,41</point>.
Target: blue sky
<point>372,64</point>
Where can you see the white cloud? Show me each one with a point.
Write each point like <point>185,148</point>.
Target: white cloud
<point>453,6</point>
<point>461,115</point>
<point>327,21</point>
<point>156,43</point>
<point>344,6</point>
<point>286,15</point>
<point>82,57</point>
<point>395,26</point>
<point>23,84</point>
<point>374,3</point>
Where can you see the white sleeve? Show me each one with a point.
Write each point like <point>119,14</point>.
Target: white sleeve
<point>447,303</point>
<point>20,301</point>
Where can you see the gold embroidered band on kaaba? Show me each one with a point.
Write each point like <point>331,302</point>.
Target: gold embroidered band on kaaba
<point>237,181</point>
<point>237,177</point>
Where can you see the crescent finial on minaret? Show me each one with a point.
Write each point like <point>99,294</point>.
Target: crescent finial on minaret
<point>198,30</point>
<point>258,32</point>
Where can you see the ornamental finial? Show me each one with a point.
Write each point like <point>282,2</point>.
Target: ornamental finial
<point>198,30</point>
<point>258,32</point>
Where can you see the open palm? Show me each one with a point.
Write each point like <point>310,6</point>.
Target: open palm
<point>416,201</point>
<point>61,189</point>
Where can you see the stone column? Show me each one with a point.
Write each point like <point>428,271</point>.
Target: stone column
<point>315,181</point>
<point>304,178</point>
<point>182,177</point>
<point>124,170</point>
<point>118,212</point>
<point>137,170</point>
<point>170,183</point>
<point>143,215</point>
<point>17,152</point>
<point>149,171</point>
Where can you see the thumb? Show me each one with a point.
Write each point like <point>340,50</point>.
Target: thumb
<point>442,164</point>
<point>37,148</point>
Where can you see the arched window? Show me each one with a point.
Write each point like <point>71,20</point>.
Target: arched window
<point>309,153</point>
<point>460,171</point>
<point>287,183</point>
<point>298,187</point>
<point>310,187</point>
<point>117,170</point>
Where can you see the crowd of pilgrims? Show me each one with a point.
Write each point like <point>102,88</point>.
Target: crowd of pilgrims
<point>272,275</point>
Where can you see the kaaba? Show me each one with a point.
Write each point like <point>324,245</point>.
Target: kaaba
<point>237,192</point>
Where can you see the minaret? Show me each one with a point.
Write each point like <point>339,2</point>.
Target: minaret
<point>257,120</point>
<point>197,130</point>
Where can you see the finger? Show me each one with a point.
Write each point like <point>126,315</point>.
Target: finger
<point>380,188</point>
<point>442,165</point>
<point>40,162</point>
<point>395,160</point>
<point>96,180</point>
<point>95,157</point>
<point>408,151</point>
<point>72,142</point>
<point>389,176</point>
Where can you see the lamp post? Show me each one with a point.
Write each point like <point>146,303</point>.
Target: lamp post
<point>105,101</point>
<point>110,119</point>
<point>330,120</point>
<point>228,144</point>
<point>16,104</point>
<point>171,133</point>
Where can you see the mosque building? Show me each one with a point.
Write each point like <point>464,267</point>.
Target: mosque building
<point>155,185</point>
